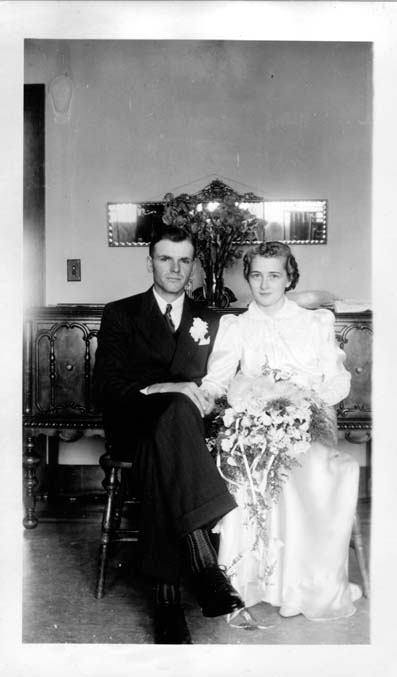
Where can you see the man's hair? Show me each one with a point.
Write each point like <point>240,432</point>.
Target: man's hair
<point>172,233</point>
<point>276,250</point>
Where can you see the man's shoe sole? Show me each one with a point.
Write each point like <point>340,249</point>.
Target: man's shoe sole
<point>212,612</point>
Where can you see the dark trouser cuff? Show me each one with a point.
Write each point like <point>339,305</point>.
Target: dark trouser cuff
<point>206,516</point>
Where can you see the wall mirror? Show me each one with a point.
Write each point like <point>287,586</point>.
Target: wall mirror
<point>294,221</point>
<point>130,224</point>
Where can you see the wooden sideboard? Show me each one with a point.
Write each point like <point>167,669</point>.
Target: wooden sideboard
<point>59,353</point>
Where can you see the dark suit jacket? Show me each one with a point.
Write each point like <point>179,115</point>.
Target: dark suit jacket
<point>136,348</point>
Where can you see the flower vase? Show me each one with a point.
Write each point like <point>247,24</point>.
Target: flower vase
<point>214,289</point>
<point>213,292</point>
<point>209,287</point>
<point>219,296</point>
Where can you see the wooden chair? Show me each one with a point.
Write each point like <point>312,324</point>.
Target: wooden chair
<point>117,496</point>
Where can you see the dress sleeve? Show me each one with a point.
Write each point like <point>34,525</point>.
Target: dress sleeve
<point>225,356</point>
<point>335,383</point>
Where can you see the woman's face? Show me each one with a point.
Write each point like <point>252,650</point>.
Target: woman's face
<point>268,280</point>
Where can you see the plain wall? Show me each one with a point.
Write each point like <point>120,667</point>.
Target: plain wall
<point>286,120</point>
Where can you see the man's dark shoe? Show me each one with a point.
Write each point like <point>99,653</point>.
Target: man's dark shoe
<point>170,625</point>
<point>214,592</point>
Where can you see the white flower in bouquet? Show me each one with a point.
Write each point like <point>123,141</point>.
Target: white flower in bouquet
<point>265,418</point>
<point>245,421</point>
<point>258,439</point>
<point>278,436</point>
<point>227,443</point>
<point>229,417</point>
<point>299,447</point>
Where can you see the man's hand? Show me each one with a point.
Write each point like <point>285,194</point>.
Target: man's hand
<point>200,397</point>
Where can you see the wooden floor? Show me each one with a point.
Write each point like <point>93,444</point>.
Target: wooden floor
<point>59,605</point>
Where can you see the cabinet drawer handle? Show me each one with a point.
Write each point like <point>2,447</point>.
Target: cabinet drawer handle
<point>69,367</point>
<point>358,370</point>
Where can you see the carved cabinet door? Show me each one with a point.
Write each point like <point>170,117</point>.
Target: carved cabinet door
<point>354,335</point>
<point>62,359</point>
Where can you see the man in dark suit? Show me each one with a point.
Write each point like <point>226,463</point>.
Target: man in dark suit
<point>152,354</point>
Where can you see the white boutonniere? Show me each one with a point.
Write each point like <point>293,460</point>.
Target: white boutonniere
<point>199,330</point>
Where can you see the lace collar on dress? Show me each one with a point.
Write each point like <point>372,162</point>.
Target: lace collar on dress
<point>287,311</point>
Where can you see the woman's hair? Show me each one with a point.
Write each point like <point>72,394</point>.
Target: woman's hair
<point>173,233</point>
<point>273,250</point>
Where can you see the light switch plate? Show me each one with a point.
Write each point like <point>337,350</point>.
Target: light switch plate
<point>74,270</point>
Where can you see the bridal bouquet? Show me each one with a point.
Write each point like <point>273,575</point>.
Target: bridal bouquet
<point>259,433</point>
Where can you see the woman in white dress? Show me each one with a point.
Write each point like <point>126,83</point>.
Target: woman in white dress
<point>310,525</point>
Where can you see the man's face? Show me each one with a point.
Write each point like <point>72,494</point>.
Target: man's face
<point>171,265</point>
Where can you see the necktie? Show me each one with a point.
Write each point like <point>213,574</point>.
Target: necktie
<point>168,318</point>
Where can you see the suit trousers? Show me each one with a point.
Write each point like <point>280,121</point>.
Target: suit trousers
<point>177,480</point>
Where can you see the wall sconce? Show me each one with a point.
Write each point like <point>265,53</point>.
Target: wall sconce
<point>61,93</point>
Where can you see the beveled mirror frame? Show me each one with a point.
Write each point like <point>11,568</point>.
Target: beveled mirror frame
<point>295,221</point>
<point>130,223</point>
<point>301,221</point>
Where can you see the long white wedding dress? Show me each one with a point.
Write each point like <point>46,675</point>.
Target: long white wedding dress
<point>310,525</point>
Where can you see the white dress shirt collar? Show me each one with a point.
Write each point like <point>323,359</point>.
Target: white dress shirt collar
<point>177,307</point>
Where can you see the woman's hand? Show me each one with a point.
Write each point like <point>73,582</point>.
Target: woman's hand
<point>210,399</point>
